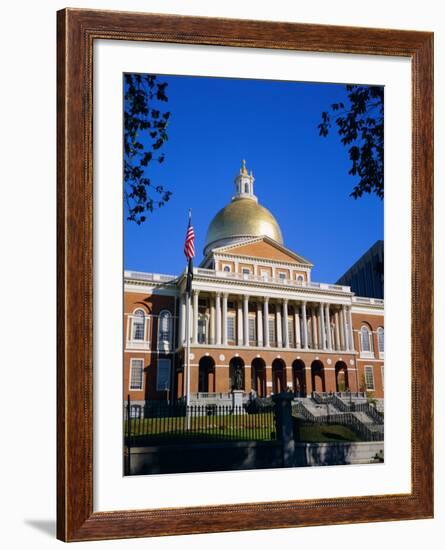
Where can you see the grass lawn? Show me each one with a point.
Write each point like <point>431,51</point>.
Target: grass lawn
<point>248,427</point>
<point>316,433</point>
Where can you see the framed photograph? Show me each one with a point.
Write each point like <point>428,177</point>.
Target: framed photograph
<point>245,230</point>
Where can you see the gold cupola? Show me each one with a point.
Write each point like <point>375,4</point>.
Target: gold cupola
<point>242,218</point>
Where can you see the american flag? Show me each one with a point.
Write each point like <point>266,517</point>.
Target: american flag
<point>189,245</point>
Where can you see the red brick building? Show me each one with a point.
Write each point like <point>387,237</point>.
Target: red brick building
<point>255,313</point>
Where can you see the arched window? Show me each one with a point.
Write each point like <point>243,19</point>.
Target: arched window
<point>226,268</point>
<point>165,330</point>
<point>246,188</point>
<point>366,344</point>
<point>138,325</point>
<point>381,339</point>
<point>300,279</point>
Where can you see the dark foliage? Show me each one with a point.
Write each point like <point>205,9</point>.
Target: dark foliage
<point>145,132</point>
<point>360,126</point>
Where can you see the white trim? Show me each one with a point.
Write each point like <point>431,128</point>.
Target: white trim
<point>130,373</point>
<point>373,377</point>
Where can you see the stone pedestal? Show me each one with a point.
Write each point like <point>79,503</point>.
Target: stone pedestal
<point>237,400</point>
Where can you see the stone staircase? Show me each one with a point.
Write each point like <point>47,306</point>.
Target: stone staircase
<point>359,416</point>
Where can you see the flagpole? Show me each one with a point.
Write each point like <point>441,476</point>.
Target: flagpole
<point>188,332</point>
<point>187,357</point>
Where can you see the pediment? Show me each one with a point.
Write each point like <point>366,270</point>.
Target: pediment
<point>263,248</point>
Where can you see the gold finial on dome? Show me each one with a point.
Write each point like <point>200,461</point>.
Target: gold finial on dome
<point>243,168</point>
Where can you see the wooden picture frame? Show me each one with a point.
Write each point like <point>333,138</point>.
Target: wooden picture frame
<point>77,31</point>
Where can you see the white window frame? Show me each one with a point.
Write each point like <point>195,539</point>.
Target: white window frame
<point>272,330</point>
<point>131,372</point>
<point>369,368</point>
<point>253,323</point>
<point>232,317</point>
<point>226,268</point>
<point>282,275</point>
<point>135,317</point>
<point>143,344</point>
<point>203,322</point>
<point>162,343</point>
<point>381,330</point>
<point>264,274</point>
<point>366,353</point>
<point>291,331</point>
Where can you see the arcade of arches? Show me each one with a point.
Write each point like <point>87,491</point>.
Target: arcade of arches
<point>300,376</point>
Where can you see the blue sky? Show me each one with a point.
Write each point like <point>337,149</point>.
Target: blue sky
<point>300,177</point>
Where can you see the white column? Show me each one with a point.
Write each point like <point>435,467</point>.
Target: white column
<point>259,319</point>
<point>350,328</point>
<point>285,325</point>
<point>322,328</point>
<point>212,321</point>
<point>218,318</point>
<point>224,319</point>
<point>345,330</point>
<point>303,314</point>
<point>246,319</point>
<point>328,326</point>
<point>195,316</point>
<point>266,321</point>
<point>239,323</point>
<point>337,331</point>
<point>278,326</point>
<point>297,327</point>
<point>314,328</point>
<point>182,321</point>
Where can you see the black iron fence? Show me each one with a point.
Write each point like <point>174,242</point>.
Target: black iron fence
<point>198,423</point>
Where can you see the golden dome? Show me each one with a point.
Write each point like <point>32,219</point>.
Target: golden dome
<point>243,217</point>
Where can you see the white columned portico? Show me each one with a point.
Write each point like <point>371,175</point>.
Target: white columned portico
<point>345,329</point>
<point>266,322</point>
<point>285,325</point>
<point>195,316</point>
<point>322,328</point>
<point>303,314</point>
<point>246,319</point>
<point>259,320</point>
<point>328,327</point>
<point>239,322</point>
<point>297,327</point>
<point>218,318</point>
<point>350,328</point>
<point>224,319</point>
<point>182,320</point>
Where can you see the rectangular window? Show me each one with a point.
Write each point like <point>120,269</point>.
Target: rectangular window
<point>231,328</point>
<point>246,271</point>
<point>163,375</point>
<point>202,336</point>
<point>264,274</point>
<point>291,332</point>
<point>369,377</point>
<point>252,330</point>
<point>282,275</point>
<point>136,373</point>
<point>272,332</point>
